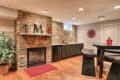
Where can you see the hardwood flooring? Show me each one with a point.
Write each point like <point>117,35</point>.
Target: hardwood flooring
<point>68,69</point>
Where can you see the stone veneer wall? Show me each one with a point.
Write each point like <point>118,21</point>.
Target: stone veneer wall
<point>57,31</point>
<point>70,36</point>
<point>24,42</point>
<point>58,34</point>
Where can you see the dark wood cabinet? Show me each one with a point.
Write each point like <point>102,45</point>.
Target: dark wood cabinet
<point>71,50</point>
<point>75,50</point>
<point>56,54</point>
<point>65,51</point>
<point>79,48</point>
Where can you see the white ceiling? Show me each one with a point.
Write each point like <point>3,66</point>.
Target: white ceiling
<point>65,10</point>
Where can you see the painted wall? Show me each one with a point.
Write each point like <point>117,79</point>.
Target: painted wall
<point>7,26</point>
<point>83,29</point>
<point>7,17</point>
<point>8,13</point>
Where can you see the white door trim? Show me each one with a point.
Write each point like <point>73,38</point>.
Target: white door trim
<point>108,25</point>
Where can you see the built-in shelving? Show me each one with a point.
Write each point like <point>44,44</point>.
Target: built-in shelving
<point>35,34</point>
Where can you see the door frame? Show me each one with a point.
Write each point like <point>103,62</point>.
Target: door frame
<point>108,25</point>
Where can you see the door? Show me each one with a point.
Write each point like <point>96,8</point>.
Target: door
<point>110,31</point>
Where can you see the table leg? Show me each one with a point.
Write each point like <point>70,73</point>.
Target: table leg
<point>98,55</point>
<point>101,63</point>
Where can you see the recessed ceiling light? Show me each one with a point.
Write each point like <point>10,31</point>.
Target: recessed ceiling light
<point>44,11</point>
<point>117,7</point>
<point>57,20</point>
<point>73,18</point>
<point>80,9</point>
<point>101,18</point>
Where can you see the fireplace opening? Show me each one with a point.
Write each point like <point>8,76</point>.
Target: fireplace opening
<point>36,56</point>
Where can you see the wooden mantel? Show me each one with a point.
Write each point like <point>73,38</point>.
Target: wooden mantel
<point>35,34</point>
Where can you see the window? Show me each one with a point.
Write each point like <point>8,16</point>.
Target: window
<point>67,27</point>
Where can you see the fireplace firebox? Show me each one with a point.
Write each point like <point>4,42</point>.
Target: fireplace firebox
<point>36,56</point>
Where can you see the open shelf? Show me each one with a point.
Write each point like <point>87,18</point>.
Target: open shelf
<point>35,34</point>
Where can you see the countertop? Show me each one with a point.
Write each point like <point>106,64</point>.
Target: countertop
<point>65,44</point>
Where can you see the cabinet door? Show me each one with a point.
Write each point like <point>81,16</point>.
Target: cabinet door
<point>71,50</point>
<point>80,48</point>
<point>110,31</point>
<point>63,51</point>
<point>58,49</point>
<point>67,51</point>
<point>56,53</point>
<point>53,54</point>
<point>76,49</point>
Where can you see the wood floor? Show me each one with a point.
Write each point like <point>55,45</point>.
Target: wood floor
<point>68,69</point>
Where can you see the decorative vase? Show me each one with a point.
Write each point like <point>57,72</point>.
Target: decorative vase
<point>4,69</point>
<point>25,28</point>
<point>49,30</point>
<point>109,41</point>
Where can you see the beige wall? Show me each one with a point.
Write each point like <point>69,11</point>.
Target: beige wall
<point>8,13</point>
<point>7,26</point>
<point>83,29</point>
<point>7,17</point>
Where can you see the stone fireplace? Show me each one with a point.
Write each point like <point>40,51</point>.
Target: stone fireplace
<point>25,42</point>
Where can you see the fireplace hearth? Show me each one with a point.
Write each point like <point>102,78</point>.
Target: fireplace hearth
<point>36,56</point>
